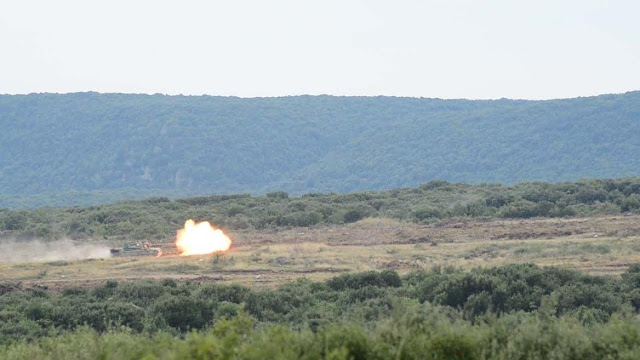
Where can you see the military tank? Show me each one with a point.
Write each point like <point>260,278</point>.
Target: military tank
<point>137,249</point>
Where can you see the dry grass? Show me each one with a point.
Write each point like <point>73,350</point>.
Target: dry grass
<point>602,245</point>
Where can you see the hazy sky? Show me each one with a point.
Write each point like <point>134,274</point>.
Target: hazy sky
<point>446,49</point>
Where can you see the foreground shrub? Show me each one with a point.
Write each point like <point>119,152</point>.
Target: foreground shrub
<point>360,300</point>
<point>418,334</point>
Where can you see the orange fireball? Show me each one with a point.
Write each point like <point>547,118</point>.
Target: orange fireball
<point>201,238</point>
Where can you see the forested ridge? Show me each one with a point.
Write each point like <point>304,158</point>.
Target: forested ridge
<point>85,148</point>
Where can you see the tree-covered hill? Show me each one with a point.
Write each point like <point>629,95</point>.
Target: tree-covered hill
<point>89,143</point>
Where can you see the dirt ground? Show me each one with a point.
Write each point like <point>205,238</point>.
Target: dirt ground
<point>267,258</point>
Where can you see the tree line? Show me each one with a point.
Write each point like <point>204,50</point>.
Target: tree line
<point>157,218</point>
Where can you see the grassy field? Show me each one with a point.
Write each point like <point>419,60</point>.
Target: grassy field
<point>268,258</point>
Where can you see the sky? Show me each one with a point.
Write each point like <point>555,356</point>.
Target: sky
<point>438,49</point>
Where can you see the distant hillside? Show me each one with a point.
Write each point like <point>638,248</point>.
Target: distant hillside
<point>89,143</point>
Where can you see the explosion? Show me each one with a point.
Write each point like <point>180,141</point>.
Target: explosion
<point>201,238</point>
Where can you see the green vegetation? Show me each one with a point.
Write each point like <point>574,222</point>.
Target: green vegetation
<point>87,148</point>
<point>159,217</point>
<point>509,312</point>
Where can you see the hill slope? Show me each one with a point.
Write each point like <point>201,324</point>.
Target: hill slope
<point>91,142</point>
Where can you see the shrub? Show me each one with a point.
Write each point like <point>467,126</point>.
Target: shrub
<point>353,215</point>
<point>184,312</point>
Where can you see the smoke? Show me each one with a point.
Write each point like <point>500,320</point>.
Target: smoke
<point>35,251</point>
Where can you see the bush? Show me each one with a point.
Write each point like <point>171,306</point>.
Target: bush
<point>632,203</point>
<point>184,313</point>
<point>426,213</point>
<point>387,278</point>
<point>353,215</point>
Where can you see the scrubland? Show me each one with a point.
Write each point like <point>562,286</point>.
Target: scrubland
<point>444,271</point>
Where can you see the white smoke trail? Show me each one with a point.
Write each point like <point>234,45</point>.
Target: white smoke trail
<point>36,251</point>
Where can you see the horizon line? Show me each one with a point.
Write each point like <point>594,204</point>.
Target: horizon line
<point>313,95</point>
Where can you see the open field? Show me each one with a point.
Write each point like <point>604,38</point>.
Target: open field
<point>268,258</point>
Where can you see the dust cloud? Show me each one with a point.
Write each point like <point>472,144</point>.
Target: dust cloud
<point>39,251</point>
